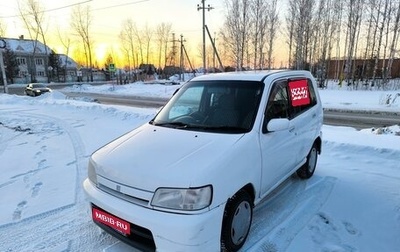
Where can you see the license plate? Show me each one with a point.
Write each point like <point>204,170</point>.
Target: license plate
<point>111,221</point>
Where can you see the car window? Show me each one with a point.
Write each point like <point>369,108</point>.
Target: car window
<point>278,102</point>
<point>302,96</point>
<point>187,103</point>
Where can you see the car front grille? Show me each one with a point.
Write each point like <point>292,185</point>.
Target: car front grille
<point>133,195</point>
<point>126,197</point>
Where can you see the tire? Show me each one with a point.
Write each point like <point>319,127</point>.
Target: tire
<point>308,169</point>
<point>237,221</point>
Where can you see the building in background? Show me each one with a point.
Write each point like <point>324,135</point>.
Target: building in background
<point>35,62</point>
<point>32,58</point>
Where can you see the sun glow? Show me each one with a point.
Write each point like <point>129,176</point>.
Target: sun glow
<point>101,53</point>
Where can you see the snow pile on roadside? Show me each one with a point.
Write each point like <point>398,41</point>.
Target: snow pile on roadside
<point>134,89</point>
<point>390,99</point>
<point>392,130</point>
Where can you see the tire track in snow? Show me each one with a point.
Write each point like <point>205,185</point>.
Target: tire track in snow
<point>280,217</point>
<point>46,231</point>
<point>79,149</point>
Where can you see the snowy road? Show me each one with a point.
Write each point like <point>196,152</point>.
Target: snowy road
<point>356,119</point>
<point>351,204</point>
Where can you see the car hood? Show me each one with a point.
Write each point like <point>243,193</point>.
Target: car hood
<point>153,156</point>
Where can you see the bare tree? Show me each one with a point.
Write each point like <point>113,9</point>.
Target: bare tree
<point>301,31</point>
<point>369,33</point>
<point>139,41</point>
<point>65,41</point>
<point>395,38</point>
<point>128,38</point>
<point>290,30</point>
<point>326,25</point>
<point>258,11</point>
<point>148,34</point>
<point>388,13</point>
<point>354,14</point>
<point>380,28</point>
<point>236,29</point>
<point>167,33</point>
<point>126,52</point>
<point>339,6</point>
<point>32,15</point>
<point>272,28</point>
<point>81,21</point>
<point>162,32</point>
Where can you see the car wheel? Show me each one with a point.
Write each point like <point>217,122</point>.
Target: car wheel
<point>236,222</point>
<point>307,170</point>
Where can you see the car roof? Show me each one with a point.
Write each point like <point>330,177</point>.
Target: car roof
<point>257,75</point>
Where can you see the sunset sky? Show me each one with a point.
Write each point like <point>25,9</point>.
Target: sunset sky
<point>108,17</point>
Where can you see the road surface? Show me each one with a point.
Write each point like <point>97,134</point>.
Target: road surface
<point>355,119</point>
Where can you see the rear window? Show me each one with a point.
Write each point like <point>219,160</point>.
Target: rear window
<point>302,96</point>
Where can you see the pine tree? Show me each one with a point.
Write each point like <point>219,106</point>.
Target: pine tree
<point>55,68</point>
<point>10,64</point>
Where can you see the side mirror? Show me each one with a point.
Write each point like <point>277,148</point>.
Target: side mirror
<point>278,124</point>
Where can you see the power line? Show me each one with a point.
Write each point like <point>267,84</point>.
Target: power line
<point>55,9</point>
<point>119,5</point>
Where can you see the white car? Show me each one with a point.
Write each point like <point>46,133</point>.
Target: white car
<point>35,89</point>
<point>188,180</point>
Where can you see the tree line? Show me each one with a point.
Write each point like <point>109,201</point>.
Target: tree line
<point>317,34</point>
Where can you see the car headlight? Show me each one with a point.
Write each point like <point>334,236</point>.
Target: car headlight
<point>92,172</point>
<point>187,199</point>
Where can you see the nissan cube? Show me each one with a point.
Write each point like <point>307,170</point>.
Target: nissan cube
<point>189,179</point>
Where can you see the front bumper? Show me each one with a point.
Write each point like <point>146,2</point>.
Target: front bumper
<point>170,231</point>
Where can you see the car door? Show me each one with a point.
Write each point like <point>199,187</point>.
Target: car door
<point>304,115</point>
<point>278,148</point>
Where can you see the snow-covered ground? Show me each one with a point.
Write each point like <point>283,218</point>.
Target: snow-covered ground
<point>352,203</point>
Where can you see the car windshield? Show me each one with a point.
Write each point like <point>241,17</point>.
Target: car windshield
<point>39,86</point>
<point>213,106</point>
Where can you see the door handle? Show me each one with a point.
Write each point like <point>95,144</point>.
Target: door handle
<point>291,129</point>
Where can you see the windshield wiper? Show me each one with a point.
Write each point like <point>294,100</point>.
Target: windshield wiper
<point>181,125</point>
<point>178,125</point>
<point>226,128</point>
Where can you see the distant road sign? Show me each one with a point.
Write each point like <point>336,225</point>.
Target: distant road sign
<point>111,67</point>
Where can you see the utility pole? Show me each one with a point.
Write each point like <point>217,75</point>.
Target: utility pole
<point>214,52</point>
<point>3,72</point>
<point>202,7</point>
<point>173,53</point>
<point>181,65</point>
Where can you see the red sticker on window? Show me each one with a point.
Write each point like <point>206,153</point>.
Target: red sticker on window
<point>299,93</point>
